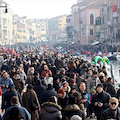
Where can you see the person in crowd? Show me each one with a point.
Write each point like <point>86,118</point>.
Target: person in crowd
<point>113,112</point>
<point>56,83</point>
<point>92,81</point>
<point>58,62</point>
<point>5,67</point>
<point>31,103</point>
<point>22,74</point>
<point>18,82</point>
<point>62,98</point>
<point>12,72</point>
<point>51,110</point>
<point>84,95</point>
<point>109,87</point>
<point>48,93</point>
<point>6,97</point>
<point>72,109</point>
<point>30,75</point>
<point>45,71</point>
<point>72,66</point>
<point>15,110</point>
<point>39,89</point>
<point>100,101</point>
<point>48,79</point>
<point>5,81</point>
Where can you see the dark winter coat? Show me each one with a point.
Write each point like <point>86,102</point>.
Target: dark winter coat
<point>63,101</point>
<point>71,110</point>
<point>28,97</point>
<point>4,67</point>
<point>107,114</point>
<point>39,89</point>
<point>104,98</point>
<point>50,111</point>
<point>6,98</point>
<point>109,88</point>
<point>47,94</point>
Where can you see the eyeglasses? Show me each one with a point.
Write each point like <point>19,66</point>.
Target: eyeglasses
<point>113,103</point>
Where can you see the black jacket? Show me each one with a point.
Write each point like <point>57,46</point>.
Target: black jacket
<point>104,98</point>
<point>109,88</point>
<point>39,89</point>
<point>71,110</point>
<point>47,94</point>
<point>107,114</point>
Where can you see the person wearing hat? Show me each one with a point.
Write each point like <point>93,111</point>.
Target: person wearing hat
<point>6,97</point>
<point>62,98</point>
<point>100,101</point>
<point>113,112</point>
<point>92,81</point>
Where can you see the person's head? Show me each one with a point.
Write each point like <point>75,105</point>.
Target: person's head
<point>13,69</point>
<point>20,69</point>
<point>45,67</point>
<point>15,114</point>
<point>32,70</point>
<point>5,74</point>
<point>61,93</point>
<point>99,88</point>
<point>89,71</point>
<point>113,103</point>
<point>75,117</point>
<point>73,90</point>
<point>72,100</point>
<point>14,100</point>
<point>95,74</point>
<point>110,80</point>
<point>82,86</point>
<point>30,87</point>
<point>11,87</point>
<point>104,68</point>
<point>53,99</point>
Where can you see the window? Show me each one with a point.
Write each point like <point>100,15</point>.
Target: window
<point>91,32</point>
<point>91,19</point>
<point>103,20</point>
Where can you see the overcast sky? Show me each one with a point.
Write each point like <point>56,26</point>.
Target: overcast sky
<point>41,8</point>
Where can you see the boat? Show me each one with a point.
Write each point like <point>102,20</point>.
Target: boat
<point>111,56</point>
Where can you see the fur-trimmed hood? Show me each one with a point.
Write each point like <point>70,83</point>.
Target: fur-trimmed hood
<point>71,108</point>
<point>51,107</point>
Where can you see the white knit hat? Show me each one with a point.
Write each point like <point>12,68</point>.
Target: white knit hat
<point>75,117</point>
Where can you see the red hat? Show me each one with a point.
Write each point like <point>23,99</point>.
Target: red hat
<point>61,91</point>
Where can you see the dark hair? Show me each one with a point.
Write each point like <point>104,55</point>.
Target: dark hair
<point>53,99</point>
<point>109,79</point>
<point>15,100</point>
<point>15,114</point>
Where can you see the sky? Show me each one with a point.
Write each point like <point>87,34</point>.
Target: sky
<point>41,9</point>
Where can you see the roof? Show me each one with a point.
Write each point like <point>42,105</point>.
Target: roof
<point>57,18</point>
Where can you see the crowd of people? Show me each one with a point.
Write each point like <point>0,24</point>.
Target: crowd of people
<point>56,87</point>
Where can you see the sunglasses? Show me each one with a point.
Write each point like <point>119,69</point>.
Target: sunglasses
<point>113,103</point>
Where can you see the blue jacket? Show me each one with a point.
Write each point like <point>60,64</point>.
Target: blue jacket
<point>23,110</point>
<point>8,81</point>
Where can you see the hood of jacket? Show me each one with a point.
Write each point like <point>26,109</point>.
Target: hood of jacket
<point>71,108</point>
<point>51,107</point>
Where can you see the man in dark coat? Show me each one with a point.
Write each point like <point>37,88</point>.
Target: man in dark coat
<point>6,97</point>
<point>72,109</point>
<point>39,89</point>
<point>100,101</point>
<point>48,93</point>
<point>5,67</point>
<point>15,103</point>
<point>113,112</point>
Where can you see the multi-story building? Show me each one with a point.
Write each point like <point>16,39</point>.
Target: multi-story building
<point>5,24</point>
<point>56,27</point>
